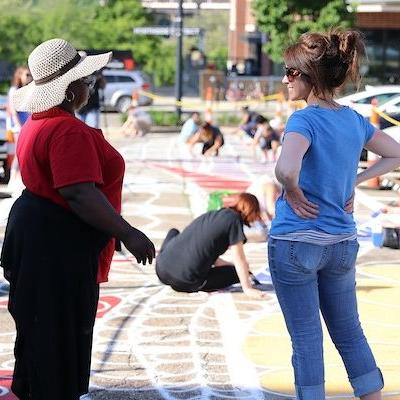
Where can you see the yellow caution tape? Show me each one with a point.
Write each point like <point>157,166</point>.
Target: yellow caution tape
<point>276,96</point>
<point>387,117</point>
<point>148,94</point>
<point>156,97</point>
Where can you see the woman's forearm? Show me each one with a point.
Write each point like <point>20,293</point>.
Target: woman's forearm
<point>93,207</point>
<point>90,205</point>
<point>243,271</point>
<point>381,167</point>
<point>289,181</point>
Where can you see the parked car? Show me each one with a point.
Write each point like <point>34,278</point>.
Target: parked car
<point>392,109</point>
<point>361,101</point>
<point>7,149</point>
<point>120,85</point>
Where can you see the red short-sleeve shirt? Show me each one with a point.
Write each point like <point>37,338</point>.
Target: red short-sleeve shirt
<point>55,149</point>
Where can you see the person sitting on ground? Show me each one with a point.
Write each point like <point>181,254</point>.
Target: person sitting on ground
<point>190,127</point>
<point>248,123</point>
<point>266,138</point>
<point>138,122</point>
<point>210,136</point>
<point>189,261</point>
<point>267,189</point>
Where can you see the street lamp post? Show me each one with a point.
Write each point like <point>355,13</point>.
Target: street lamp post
<point>178,75</point>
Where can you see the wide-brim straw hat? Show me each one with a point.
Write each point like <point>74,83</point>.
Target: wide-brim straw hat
<point>54,64</point>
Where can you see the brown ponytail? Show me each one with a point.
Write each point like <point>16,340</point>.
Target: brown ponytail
<point>327,60</point>
<point>352,48</point>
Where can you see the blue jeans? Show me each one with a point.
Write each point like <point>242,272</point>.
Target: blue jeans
<point>309,278</point>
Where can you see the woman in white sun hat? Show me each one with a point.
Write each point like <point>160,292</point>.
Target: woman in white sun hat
<point>61,231</point>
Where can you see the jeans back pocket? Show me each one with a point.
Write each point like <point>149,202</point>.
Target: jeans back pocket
<point>306,257</point>
<point>344,256</point>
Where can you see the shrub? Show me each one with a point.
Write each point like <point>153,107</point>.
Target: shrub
<point>228,119</point>
<point>164,118</point>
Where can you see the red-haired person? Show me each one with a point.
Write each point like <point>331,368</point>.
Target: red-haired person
<point>189,261</point>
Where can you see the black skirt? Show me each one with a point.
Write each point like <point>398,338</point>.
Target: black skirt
<point>50,258</point>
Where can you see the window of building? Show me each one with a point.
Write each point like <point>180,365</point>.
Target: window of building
<point>383,51</point>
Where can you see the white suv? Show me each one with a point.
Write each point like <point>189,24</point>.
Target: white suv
<point>361,101</point>
<point>120,84</point>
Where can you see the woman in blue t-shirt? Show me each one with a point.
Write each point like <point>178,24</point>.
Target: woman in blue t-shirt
<point>313,245</point>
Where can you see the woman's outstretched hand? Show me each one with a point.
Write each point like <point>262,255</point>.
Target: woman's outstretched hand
<point>140,246</point>
<point>300,205</point>
<point>254,293</point>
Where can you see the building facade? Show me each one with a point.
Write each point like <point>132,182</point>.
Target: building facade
<point>380,23</point>
<point>378,20</point>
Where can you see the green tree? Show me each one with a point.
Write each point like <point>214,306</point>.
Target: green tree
<point>86,24</point>
<point>284,20</point>
<point>17,35</point>
<point>163,63</point>
<point>108,26</point>
<point>216,28</point>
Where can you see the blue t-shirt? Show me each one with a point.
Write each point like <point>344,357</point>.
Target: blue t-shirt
<point>329,168</point>
<point>189,128</point>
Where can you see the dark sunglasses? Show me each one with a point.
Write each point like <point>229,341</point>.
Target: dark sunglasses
<point>90,81</point>
<point>291,72</point>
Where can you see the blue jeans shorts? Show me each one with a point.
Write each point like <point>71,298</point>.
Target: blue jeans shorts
<point>309,278</point>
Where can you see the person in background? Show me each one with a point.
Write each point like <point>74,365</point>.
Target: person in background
<point>15,119</point>
<point>313,246</point>
<point>189,261</point>
<point>90,113</point>
<point>210,136</point>
<point>190,127</point>
<point>267,190</point>
<point>248,123</point>
<point>61,232</point>
<point>138,121</point>
<point>266,139</point>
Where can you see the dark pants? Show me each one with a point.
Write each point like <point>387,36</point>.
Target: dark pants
<point>220,277</point>
<point>50,257</point>
<point>217,278</point>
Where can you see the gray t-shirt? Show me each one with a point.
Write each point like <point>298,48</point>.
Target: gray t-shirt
<point>188,257</point>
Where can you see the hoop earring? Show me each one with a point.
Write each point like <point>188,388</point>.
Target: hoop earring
<point>70,100</point>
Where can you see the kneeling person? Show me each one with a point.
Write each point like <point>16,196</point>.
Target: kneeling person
<point>189,261</point>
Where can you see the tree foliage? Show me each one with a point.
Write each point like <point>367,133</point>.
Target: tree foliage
<point>284,20</point>
<point>87,25</point>
<point>164,63</point>
<point>216,28</point>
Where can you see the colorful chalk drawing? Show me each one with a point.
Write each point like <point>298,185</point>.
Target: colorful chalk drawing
<point>378,291</point>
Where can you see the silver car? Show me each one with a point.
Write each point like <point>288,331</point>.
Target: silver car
<point>120,85</point>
